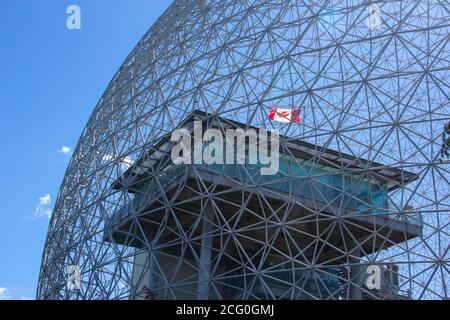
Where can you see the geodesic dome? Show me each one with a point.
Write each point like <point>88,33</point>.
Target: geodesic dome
<point>372,98</point>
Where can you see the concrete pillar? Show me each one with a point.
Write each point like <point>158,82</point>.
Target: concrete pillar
<point>205,253</point>
<point>356,275</point>
<point>144,271</point>
<point>153,269</point>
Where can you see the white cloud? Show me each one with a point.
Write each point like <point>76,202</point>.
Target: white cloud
<point>13,294</point>
<point>43,207</point>
<point>125,163</point>
<point>4,293</point>
<point>65,150</point>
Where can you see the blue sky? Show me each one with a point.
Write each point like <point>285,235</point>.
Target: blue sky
<point>51,79</point>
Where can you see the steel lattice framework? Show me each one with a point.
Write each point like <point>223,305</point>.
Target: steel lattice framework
<point>375,94</point>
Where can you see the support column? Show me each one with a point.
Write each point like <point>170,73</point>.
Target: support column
<point>144,272</point>
<point>356,275</point>
<point>205,253</point>
<point>153,270</point>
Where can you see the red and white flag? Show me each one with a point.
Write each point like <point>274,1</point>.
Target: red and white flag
<point>284,115</point>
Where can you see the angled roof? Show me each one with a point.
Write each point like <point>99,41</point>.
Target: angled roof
<point>393,177</point>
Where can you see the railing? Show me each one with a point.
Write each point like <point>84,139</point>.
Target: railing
<point>328,189</point>
<point>321,186</point>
